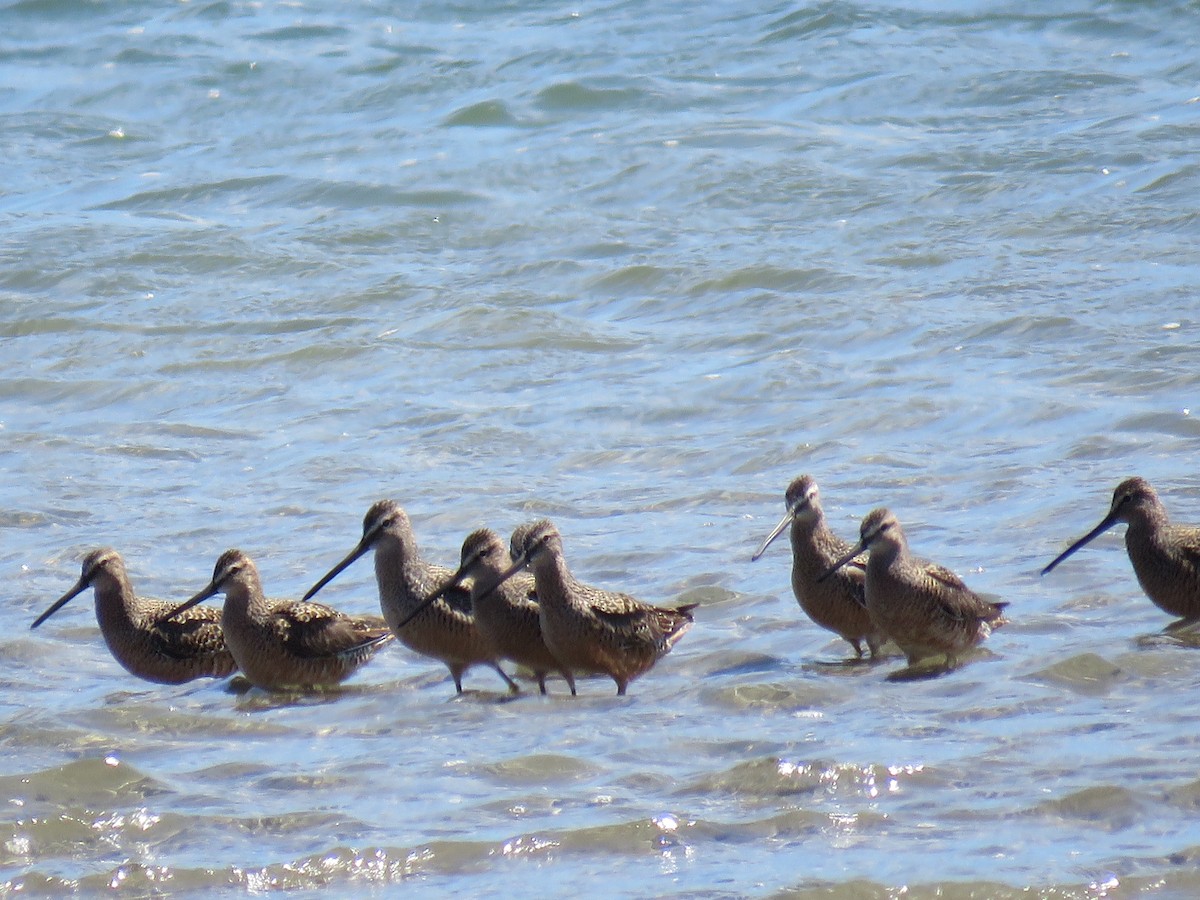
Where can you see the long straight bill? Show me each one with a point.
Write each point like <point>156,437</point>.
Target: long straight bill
<point>1108,522</point>
<point>762,548</point>
<point>362,547</point>
<point>188,604</point>
<point>854,551</point>
<point>80,587</point>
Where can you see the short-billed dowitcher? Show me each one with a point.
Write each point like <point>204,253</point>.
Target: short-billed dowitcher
<point>444,630</point>
<point>284,644</point>
<point>589,629</point>
<point>1165,557</point>
<point>925,608</point>
<point>506,612</point>
<point>838,602</point>
<point>138,632</point>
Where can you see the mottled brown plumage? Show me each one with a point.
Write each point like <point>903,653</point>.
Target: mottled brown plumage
<point>589,629</point>
<point>283,644</point>
<point>924,608</point>
<point>138,632</point>
<point>506,611</point>
<point>1165,557</point>
<point>443,629</point>
<point>838,602</point>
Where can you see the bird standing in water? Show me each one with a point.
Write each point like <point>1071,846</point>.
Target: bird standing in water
<point>924,608</point>
<point>442,628</point>
<point>1165,557</point>
<point>139,633</point>
<point>837,603</point>
<point>589,629</point>
<point>506,611</point>
<point>284,644</point>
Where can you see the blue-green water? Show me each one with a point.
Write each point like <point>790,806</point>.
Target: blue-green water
<point>632,267</point>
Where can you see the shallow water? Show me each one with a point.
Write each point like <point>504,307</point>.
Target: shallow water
<point>632,267</point>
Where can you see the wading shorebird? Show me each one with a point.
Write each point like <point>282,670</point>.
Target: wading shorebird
<point>506,612</point>
<point>837,603</point>
<point>589,629</point>
<point>924,608</point>
<point>445,629</point>
<point>283,644</point>
<point>1165,557</point>
<point>139,633</point>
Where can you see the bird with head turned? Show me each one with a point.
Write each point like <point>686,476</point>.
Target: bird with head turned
<point>837,603</point>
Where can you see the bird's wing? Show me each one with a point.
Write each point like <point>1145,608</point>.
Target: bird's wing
<point>613,605</point>
<point>314,630</point>
<point>1186,541</point>
<point>191,634</point>
<point>944,578</point>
